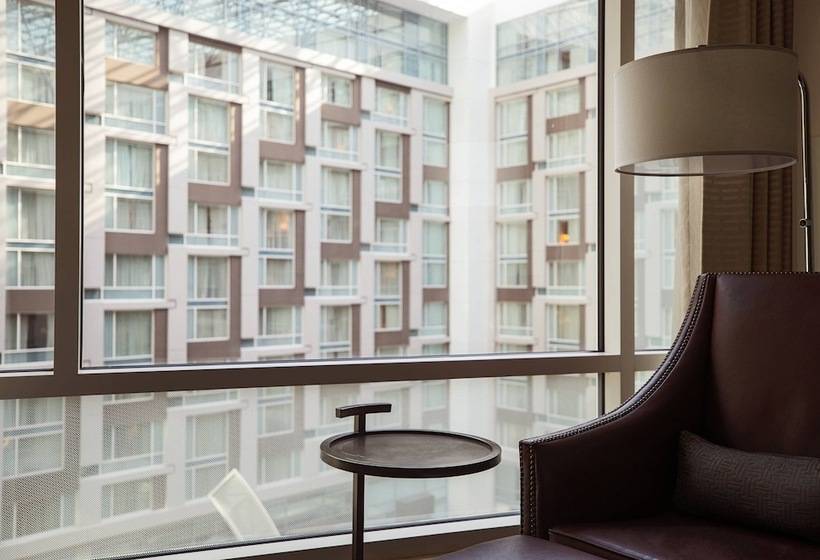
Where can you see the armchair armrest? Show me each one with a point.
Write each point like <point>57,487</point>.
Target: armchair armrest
<point>622,464</point>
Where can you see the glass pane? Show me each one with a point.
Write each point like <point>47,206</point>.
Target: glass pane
<point>27,199</point>
<point>300,178</point>
<point>149,460</point>
<point>659,303</point>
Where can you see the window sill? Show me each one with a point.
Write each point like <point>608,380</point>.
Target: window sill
<point>386,544</point>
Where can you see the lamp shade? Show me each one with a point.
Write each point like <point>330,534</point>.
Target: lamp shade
<point>707,111</point>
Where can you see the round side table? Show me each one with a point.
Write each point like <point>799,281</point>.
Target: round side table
<point>400,454</point>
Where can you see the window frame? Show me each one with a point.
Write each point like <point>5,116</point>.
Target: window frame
<point>616,351</point>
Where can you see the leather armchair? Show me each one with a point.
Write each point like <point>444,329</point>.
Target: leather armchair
<point>743,372</point>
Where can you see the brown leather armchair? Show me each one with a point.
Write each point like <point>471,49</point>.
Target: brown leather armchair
<point>744,372</point>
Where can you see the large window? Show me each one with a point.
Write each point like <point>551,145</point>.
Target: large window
<point>435,132</point>
<point>212,67</point>
<point>237,258</point>
<point>209,149</point>
<point>30,152</point>
<point>513,132</point>
<point>513,267</point>
<point>277,102</point>
<point>207,298</point>
<point>212,224</point>
<point>337,205</point>
<point>388,166</point>
<point>135,108</point>
<point>130,44</point>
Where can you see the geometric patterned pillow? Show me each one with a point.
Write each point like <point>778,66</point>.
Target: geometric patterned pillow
<point>776,492</point>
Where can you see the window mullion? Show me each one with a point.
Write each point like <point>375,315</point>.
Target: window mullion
<point>68,197</point>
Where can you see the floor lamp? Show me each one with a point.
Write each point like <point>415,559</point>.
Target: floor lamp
<point>713,110</point>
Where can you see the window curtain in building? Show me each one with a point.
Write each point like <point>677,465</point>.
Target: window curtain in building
<point>212,275</point>
<point>737,223</point>
<point>133,271</point>
<point>37,215</point>
<point>37,269</point>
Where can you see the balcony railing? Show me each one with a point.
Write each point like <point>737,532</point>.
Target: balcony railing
<point>35,170</point>
<point>338,291</point>
<point>511,330</point>
<point>292,339</point>
<point>28,355</point>
<point>133,292</point>
<point>129,463</point>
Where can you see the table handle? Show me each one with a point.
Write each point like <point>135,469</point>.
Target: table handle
<point>362,409</point>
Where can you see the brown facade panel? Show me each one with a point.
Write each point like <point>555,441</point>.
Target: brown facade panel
<point>567,122</point>
<point>135,74</point>
<point>346,115</point>
<point>156,243</point>
<point>433,173</point>
<point>435,294</point>
<point>30,114</point>
<point>355,329</point>
<point>514,294</point>
<point>513,173</point>
<point>161,336</point>
<point>391,210</point>
<point>565,252</point>
<point>29,301</point>
<point>220,350</point>
<point>270,297</point>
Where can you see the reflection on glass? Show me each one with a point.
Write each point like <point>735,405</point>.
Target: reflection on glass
<point>255,205</point>
<point>103,476</point>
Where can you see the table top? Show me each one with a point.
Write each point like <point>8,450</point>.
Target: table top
<point>410,453</point>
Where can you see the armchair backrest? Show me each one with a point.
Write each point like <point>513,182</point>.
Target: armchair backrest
<point>763,387</point>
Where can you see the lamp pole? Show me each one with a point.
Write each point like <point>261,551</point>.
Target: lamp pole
<point>806,221</point>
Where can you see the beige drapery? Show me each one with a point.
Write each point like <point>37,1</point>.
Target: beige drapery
<point>739,223</point>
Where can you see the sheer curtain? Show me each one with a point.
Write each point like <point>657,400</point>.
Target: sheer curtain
<point>212,277</point>
<point>133,271</point>
<point>133,336</point>
<point>37,215</point>
<point>134,165</point>
<point>209,120</point>
<point>135,102</point>
<point>37,269</point>
<point>36,146</point>
<point>336,188</point>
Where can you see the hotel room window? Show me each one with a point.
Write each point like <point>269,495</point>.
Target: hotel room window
<point>214,225</point>
<point>563,101</point>
<point>277,101</point>
<point>513,132</point>
<point>513,393</point>
<point>335,335</point>
<point>391,106</point>
<point>514,197</point>
<point>280,325</point>
<point>29,338</point>
<point>280,180</point>
<point>30,56</point>
<point>211,67</point>
<point>434,254</point>
<point>391,235</point>
<point>513,255</point>
<point>388,295</point>
<point>388,166</point>
<point>566,278</point>
<point>32,436</point>
<point>514,318</point>
<point>134,276</point>
<point>563,210</point>
<point>132,445</point>
<point>564,327</point>
<point>337,205</point>
<point>135,108</point>
<point>339,141</point>
<point>123,498</point>
<point>339,277</point>
<point>209,148</point>
<point>129,186</point>
<point>435,132</point>
<point>30,152</point>
<point>206,453</point>
<point>130,44</point>
<point>337,90</point>
<point>566,148</point>
<point>207,298</point>
<point>435,197</point>
<point>434,318</point>
<point>29,238</point>
<point>128,337</point>
<point>277,248</point>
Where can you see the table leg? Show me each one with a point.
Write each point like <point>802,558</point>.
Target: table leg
<point>358,517</point>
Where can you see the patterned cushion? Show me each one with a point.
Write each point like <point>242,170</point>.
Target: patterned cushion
<point>776,492</point>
